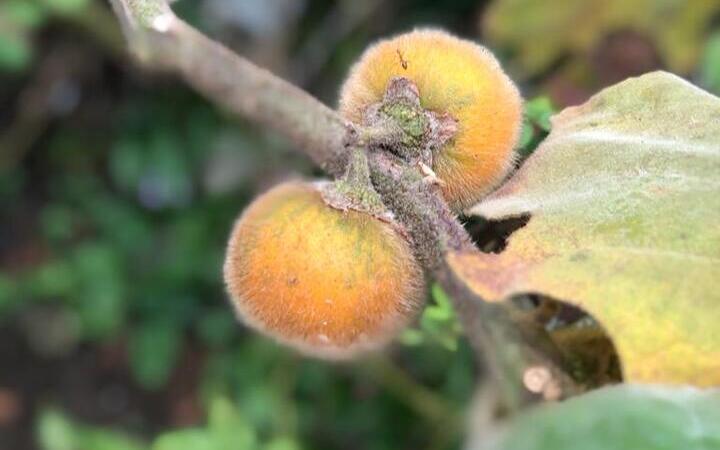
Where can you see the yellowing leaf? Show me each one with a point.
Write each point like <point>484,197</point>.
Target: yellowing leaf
<point>541,31</point>
<point>625,202</point>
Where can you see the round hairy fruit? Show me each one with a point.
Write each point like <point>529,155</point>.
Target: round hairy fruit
<point>328,282</point>
<point>455,77</point>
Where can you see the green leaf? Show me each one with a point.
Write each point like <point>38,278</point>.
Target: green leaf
<point>624,417</point>
<point>442,309</point>
<point>216,327</point>
<point>155,167</point>
<point>127,162</point>
<point>625,202</point>
<point>102,439</point>
<point>536,124</point>
<point>67,6</point>
<point>57,222</point>
<point>16,53</point>
<point>223,415</point>
<point>100,299</point>
<point>526,135</point>
<point>52,279</point>
<point>412,337</point>
<point>538,111</point>
<point>226,430</point>
<point>191,439</point>
<point>438,323</point>
<point>123,225</point>
<point>282,443</point>
<point>710,66</point>
<point>154,349</point>
<point>23,13</point>
<point>55,431</point>
<point>8,291</point>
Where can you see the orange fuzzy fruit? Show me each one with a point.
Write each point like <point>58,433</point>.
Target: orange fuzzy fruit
<point>453,76</point>
<point>328,282</point>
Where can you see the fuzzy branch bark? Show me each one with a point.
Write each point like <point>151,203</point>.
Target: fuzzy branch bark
<point>162,41</point>
<point>510,349</point>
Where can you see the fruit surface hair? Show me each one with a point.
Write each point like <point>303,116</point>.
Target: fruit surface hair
<point>330,283</point>
<point>453,76</point>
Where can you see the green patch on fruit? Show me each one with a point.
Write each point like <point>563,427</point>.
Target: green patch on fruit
<point>410,119</point>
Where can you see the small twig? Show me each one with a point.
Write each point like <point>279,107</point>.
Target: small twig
<point>162,40</point>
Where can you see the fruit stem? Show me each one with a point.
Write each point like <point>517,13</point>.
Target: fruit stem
<point>354,190</point>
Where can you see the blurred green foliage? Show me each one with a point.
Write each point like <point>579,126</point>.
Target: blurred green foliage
<point>438,323</point>
<point>20,18</point>
<point>536,125</point>
<point>125,213</point>
<point>55,431</point>
<point>676,27</point>
<point>133,244</point>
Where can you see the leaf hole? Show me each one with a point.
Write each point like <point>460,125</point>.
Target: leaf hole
<point>587,349</point>
<point>491,236</point>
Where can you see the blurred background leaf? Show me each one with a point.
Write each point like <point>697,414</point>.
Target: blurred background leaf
<point>628,417</point>
<point>55,431</point>
<point>541,34</point>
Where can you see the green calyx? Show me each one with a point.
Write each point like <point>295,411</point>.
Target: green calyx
<point>411,120</point>
<point>354,190</point>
